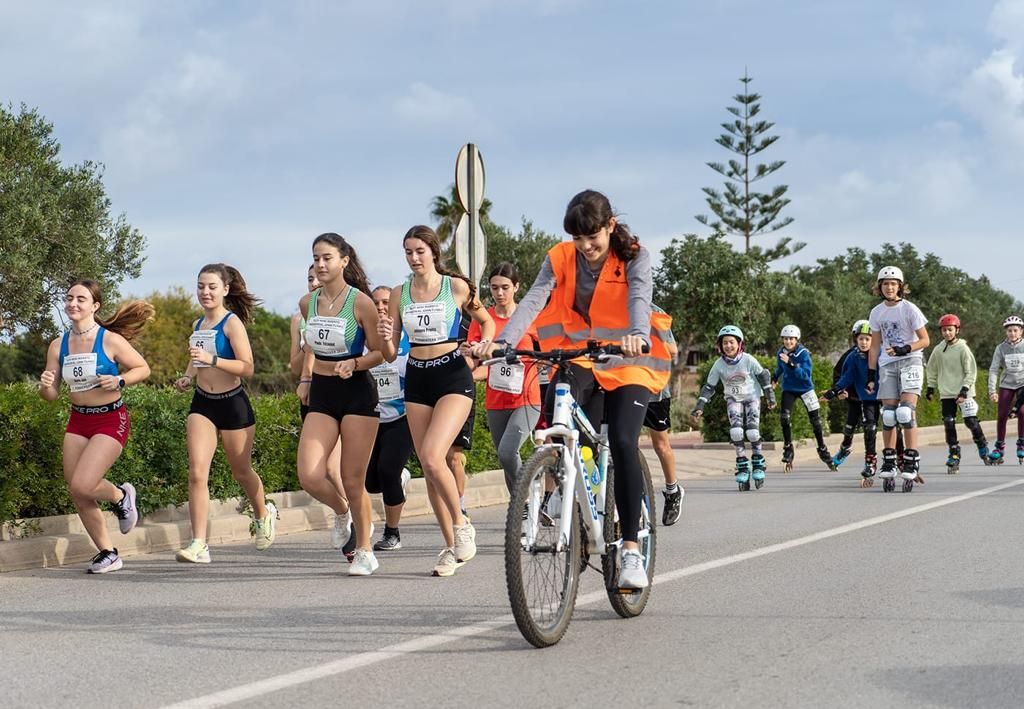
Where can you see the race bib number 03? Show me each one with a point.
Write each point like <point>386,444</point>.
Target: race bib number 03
<point>80,371</point>
<point>326,336</point>
<point>425,323</point>
<point>507,377</point>
<point>389,385</point>
<point>811,400</point>
<point>205,340</point>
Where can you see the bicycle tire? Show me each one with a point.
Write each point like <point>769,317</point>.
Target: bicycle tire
<point>542,621</point>
<point>630,605</point>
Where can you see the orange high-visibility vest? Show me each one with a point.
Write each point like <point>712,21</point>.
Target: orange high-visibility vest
<point>560,326</point>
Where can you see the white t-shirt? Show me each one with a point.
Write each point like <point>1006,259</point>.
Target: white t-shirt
<point>899,325</point>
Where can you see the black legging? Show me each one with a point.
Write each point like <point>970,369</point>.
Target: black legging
<point>786,413</point>
<point>949,410</point>
<point>623,409</point>
<point>391,451</point>
<point>864,413</point>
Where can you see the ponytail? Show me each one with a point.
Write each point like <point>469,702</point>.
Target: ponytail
<point>238,300</point>
<point>129,318</point>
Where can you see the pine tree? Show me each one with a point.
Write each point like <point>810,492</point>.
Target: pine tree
<point>740,209</point>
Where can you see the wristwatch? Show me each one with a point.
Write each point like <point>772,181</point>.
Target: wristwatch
<point>120,382</point>
<point>213,362</point>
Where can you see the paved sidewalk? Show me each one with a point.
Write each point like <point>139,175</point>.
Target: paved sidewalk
<point>62,540</point>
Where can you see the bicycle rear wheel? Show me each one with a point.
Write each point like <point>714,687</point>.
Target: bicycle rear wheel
<point>630,604</point>
<point>542,582</point>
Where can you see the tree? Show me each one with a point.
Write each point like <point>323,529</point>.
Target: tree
<point>740,209</point>
<point>704,284</point>
<point>447,211</point>
<point>55,224</point>
<point>526,249</point>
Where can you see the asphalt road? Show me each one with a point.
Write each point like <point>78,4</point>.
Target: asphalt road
<point>811,592</point>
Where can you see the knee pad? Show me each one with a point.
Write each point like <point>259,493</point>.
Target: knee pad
<point>736,434</point>
<point>905,415</point>
<point>972,422</point>
<point>784,417</point>
<point>870,430</point>
<point>949,422</point>
<point>888,417</point>
<point>753,435</point>
<point>848,430</point>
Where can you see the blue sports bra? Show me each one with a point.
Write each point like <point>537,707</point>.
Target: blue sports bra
<point>221,341</point>
<point>104,365</point>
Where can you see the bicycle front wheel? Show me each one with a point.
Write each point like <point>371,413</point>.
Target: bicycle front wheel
<point>630,604</point>
<point>542,580</point>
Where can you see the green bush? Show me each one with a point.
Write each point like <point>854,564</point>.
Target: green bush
<point>155,459</point>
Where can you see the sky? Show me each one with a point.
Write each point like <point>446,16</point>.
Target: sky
<point>238,131</point>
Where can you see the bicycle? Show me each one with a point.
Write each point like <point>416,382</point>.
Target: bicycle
<point>560,513</point>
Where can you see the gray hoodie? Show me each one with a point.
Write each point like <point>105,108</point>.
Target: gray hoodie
<point>1009,358</point>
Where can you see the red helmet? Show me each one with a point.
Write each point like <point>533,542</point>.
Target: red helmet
<point>947,320</point>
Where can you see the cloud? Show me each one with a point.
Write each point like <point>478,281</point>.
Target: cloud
<point>425,104</point>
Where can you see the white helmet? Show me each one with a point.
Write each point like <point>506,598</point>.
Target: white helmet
<point>861,327</point>
<point>1013,320</point>
<point>890,273</point>
<point>790,331</point>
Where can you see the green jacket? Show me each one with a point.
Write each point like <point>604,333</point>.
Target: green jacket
<point>952,367</point>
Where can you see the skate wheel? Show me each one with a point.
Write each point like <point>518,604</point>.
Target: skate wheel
<point>888,485</point>
<point>758,484</point>
<point>908,485</point>
<point>867,482</point>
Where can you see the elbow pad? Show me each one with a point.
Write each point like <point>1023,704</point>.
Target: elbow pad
<point>706,392</point>
<point>765,379</point>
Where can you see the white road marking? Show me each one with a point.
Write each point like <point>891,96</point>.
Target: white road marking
<point>427,642</point>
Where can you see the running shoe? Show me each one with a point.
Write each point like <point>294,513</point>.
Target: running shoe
<point>125,510</point>
<point>391,541</point>
<point>446,563</point>
<point>349,550</point>
<point>265,528</point>
<point>341,531</point>
<point>673,506</point>
<point>632,573</point>
<point>465,542</point>
<point>106,561</point>
<point>364,563</point>
<point>197,552</point>
<point>406,477</point>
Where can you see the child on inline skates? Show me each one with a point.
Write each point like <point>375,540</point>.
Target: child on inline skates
<point>861,405</point>
<point>896,372</point>
<point>793,370</point>
<point>1009,356</point>
<point>743,381</point>
<point>952,370</point>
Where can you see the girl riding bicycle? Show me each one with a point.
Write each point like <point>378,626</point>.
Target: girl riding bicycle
<point>598,287</point>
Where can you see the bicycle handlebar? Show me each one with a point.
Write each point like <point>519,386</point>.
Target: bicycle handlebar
<point>593,350</point>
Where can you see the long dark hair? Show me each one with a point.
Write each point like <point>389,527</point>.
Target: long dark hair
<point>130,316</point>
<point>238,300</point>
<point>505,270</point>
<point>429,237</point>
<point>589,212</point>
<point>353,274</point>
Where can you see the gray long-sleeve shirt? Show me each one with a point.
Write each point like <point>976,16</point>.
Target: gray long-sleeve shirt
<point>641,290</point>
<point>1009,358</point>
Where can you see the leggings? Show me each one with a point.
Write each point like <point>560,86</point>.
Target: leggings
<point>785,414</point>
<point>1006,401</point>
<point>509,430</point>
<point>391,451</point>
<point>949,411</point>
<point>864,413</point>
<point>744,416</point>
<point>623,409</point>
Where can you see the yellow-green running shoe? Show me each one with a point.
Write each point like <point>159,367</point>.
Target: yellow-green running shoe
<point>197,552</point>
<point>264,529</point>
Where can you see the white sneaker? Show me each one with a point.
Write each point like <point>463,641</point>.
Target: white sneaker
<point>340,532</point>
<point>632,573</point>
<point>465,543</point>
<point>446,563</point>
<point>406,477</point>
<point>364,563</point>
<point>266,528</point>
<point>197,552</point>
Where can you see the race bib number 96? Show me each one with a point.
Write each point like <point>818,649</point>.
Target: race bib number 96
<point>507,377</point>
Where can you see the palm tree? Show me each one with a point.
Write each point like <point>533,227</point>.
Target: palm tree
<point>447,212</point>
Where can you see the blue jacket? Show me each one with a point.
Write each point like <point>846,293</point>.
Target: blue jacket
<point>795,378</point>
<point>855,376</point>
